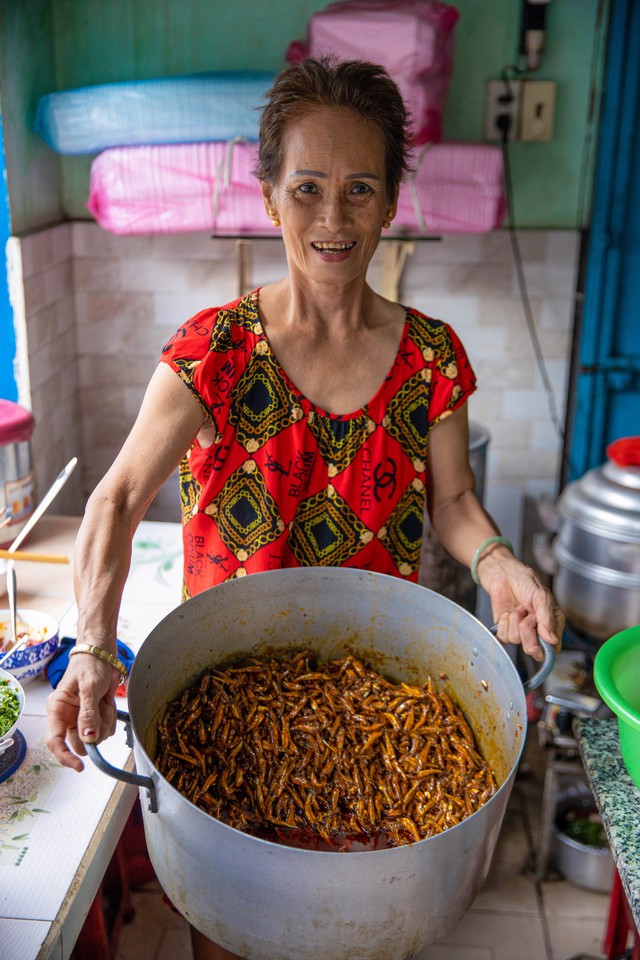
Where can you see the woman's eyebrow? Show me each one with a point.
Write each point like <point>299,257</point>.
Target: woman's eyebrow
<point>308,173</point>
<point>319,173</point>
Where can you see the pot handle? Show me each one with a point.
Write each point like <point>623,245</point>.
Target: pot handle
<point>125,775</point>
<point>547,664</point>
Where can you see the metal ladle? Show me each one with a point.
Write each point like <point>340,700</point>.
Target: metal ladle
<point>11,593</point>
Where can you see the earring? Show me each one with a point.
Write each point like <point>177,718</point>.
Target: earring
<point>386,224</point>
<point>274,219</point>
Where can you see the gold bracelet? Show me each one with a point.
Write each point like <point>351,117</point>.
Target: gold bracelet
<point>104,655</point>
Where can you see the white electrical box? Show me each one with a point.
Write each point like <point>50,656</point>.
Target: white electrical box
<point>502,100</point>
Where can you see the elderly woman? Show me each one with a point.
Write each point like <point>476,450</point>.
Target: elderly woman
<point>311,418</point>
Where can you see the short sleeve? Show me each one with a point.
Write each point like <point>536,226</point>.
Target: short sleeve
<point>190,354</point>
<point>452,377</point>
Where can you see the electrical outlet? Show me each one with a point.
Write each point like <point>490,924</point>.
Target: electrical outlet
<point>502,98</point>
<point>537,110</point>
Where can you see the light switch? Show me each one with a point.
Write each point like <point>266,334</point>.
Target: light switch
<point>537,110</point>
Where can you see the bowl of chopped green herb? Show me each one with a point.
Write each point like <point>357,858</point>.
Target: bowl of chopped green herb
<point>11,706</point>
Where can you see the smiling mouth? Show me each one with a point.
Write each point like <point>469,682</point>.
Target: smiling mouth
<point>333,247</point>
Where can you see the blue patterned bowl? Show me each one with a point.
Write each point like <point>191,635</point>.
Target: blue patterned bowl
<point>27,663</point>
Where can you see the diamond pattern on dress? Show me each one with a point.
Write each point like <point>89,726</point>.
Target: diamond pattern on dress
<point>246,513</point>
<point>326,531</point>
<point>402,533</point>
<point>263,403</point>
<point>407,418</point>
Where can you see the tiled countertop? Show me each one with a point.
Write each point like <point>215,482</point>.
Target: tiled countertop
<point>618,800</point>
<point>59,829</point>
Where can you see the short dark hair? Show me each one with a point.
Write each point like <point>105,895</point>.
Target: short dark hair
<point>358,85</point>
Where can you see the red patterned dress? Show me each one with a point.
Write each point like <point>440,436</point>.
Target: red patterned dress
<point>284,483</point>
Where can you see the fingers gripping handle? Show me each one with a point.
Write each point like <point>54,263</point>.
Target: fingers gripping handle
<point>125,775</point>
<point>538,678</point>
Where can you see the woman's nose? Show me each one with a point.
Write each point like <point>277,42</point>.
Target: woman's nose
<point>335,210</point>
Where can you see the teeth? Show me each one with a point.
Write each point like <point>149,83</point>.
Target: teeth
<point>334,246</point>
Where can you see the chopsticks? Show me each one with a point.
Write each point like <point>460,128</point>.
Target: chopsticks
<point>34,557</point>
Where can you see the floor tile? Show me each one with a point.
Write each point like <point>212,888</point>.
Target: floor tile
<point>154,929</point>
<point>576,938</point>
<point>175,945</point>
<point>517,895</point>
<point>491,935</point>
<point>562,899</point>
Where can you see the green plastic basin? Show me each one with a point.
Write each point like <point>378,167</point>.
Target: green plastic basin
<point>616,672</point>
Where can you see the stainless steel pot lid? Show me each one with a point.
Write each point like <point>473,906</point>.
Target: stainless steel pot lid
<point>605,501</point>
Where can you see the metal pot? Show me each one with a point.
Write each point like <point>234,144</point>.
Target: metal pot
<point>271,902</point>
<point>585,866</point>
<point>597,550</point>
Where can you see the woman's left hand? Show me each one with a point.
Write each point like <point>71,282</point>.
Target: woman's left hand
<point>522,607</point>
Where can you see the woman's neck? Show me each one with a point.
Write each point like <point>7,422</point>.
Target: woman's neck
<point>339,310</point>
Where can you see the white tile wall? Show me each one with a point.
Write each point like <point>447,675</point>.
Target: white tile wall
<point>47,326</point>
<point>99,308</point>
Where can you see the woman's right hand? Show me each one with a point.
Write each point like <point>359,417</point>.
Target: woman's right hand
<point>82,709</point>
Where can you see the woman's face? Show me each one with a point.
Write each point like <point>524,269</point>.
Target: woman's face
<point>331,195</point>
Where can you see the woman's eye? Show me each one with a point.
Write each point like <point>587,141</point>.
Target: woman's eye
<point>361,188</point>
<point>307,188</point>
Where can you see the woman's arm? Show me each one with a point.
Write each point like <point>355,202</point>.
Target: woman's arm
<point>82,708</point>
<point>522,607</point>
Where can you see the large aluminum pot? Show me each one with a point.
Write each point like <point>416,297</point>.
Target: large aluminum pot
<point>597,550</point>
<point>266,901</point>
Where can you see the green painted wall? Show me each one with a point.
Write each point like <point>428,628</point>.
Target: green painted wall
<point>97,41</point>
<point>26,73</point>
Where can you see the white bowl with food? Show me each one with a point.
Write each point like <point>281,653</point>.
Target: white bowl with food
<point>40,647</point>
<point>11,707</point>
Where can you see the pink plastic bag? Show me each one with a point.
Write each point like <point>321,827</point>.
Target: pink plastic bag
<point>412,39</point>
<point>176,188</point>
<point>456,188</point>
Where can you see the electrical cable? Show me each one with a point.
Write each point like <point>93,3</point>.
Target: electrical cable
<point>522,283</point>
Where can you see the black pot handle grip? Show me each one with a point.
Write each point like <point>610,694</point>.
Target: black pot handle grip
<point>547,664</point>
<point>125,775</point>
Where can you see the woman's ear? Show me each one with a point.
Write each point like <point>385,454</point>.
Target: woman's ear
<point>392,207</point>
<point>267,193</point>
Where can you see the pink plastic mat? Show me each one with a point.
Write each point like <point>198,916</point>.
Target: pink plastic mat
<point>179,188</point>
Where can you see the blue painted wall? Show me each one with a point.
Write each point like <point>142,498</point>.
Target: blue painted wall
<point>8,389</point>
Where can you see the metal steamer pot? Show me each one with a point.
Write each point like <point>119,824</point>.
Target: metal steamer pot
<point>597,550</point>
<point>267,901</point>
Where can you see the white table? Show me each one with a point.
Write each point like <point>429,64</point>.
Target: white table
<point>59,829</point>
